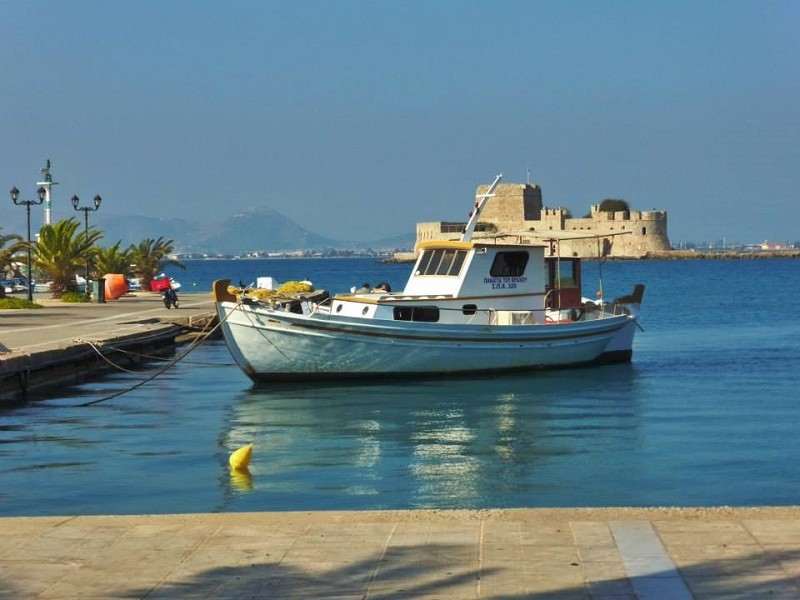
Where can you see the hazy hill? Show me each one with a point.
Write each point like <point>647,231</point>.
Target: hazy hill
<point>258,229</point>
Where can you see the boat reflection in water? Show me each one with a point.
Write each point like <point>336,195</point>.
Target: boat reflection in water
<point>517,440</point>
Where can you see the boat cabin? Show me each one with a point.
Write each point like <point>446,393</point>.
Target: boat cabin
<point>471,269</point>
<point>453,281</point>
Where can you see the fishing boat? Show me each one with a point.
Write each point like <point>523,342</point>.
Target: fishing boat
<point>467,307</point>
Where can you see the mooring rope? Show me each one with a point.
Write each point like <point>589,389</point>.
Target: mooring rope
<point>202,336</point>
<point>94,347</point>
<point>156,358</point>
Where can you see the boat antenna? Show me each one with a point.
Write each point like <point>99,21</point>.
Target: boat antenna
<point>600,268</point>
<point>480,202</point>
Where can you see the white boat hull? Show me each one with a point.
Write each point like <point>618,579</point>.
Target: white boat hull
<point>278,345</point>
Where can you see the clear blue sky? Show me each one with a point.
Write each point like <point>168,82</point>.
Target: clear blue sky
<point>358,119</point>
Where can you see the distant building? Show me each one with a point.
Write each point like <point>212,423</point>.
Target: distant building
<point>516,213</point>
<point>774,246</point>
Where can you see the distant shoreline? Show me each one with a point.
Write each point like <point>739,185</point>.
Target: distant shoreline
<point>685,255</point>
<point>721,254</point>
<point>666,255</point>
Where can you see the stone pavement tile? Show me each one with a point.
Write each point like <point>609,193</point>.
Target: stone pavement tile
<point>761,565</point>
<point>554,554</point>
<point>26,579</point>
<point>591,533</point>
<point>769,532</point>
<point>742,587</point>
<point>693,532</point>
<point>701,550</point>
<point>39,548</point>
<point>99,587</point>
<point>601,571</point>
<point>441,586</point>
<point>527,533</point>
<point>601,564</point>
<point>615,589</point>
<point>550,534</point>
<point>600,554</point>
<point>787,557</point>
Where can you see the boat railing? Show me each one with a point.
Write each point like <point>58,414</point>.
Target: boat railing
<point>510,317</point>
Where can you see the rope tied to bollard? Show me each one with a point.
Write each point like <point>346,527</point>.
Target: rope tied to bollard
<point>202,336</point>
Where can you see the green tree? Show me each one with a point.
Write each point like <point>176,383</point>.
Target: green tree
<point>61,253</point>
<point>614,205</point>
<point>112,260</point>
<point>149,257</point>
<point>10,257</point>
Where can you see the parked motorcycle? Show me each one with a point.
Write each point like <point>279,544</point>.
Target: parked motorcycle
<point>170,298</point>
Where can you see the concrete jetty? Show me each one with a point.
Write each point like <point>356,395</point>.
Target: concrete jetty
<point>538,554</point>
<point>65,342</point>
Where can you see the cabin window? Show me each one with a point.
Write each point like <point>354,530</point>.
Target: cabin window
<point>441,262</point>
<point>425,262</point>
<point>458,261</point>
<point>426,314</point>
<point>469,309</point>
<point>447,262</point>
<point>509,264</point>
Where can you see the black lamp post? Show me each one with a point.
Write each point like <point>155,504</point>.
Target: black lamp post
<point>28,203</point>
<point>86,209</point>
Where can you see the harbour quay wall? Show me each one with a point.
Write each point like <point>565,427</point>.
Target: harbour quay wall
<point>26,373</point>
<point>60,344</point>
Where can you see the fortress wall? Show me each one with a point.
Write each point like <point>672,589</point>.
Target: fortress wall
<point>518,208</point>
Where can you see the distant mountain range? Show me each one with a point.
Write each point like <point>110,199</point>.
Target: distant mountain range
<point>260,229</point>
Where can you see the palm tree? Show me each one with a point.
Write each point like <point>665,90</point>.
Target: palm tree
<point>9,257</point>
<point>62,251</point>
<point>112,260</point>
<point>149,257</point>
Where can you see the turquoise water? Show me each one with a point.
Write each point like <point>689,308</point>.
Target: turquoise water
<point>707,414</point>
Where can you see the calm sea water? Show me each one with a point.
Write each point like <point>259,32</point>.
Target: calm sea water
<point>707,414</point>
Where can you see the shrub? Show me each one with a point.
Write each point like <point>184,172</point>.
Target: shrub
<point>74,297</point>
<point>18,303</point>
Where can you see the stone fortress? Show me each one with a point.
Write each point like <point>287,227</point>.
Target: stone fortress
<point>516,215</point>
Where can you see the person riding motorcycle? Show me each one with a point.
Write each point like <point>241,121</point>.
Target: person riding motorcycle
<point>170,298</point>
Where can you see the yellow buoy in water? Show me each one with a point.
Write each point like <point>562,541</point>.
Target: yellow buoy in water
<point>241,457</point>
<point>241,480</point>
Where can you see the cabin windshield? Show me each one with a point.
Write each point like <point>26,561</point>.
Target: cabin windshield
<point>441,262</point>
<point>509,264</point>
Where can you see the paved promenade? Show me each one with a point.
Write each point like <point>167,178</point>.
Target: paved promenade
<point>604,554</point>
<point>62,342</point>
<point>61,322</point>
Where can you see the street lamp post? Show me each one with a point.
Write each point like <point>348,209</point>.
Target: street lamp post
<point>86,209</point>
<point>28,203</point>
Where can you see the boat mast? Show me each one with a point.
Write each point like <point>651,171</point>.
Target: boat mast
<point>47,184</point>
<point>480,202</point>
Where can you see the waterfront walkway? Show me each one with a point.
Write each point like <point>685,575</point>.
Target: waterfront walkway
<point>23,330</point>
<point>61,342</point>
<point>600,554</point>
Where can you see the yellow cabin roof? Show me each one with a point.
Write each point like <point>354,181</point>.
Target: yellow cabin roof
<point>455,245</point>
